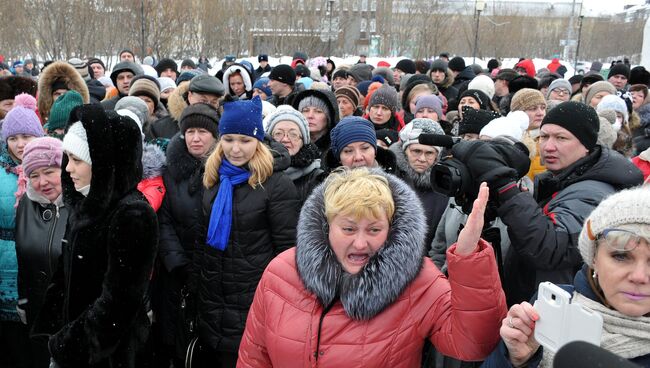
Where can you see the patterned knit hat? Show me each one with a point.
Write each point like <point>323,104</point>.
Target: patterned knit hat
<point>410,133</point>
<point>288,113</point>
<point>60,111</point>
<point>627,207</point>
<point>352,129</point>
<point>42,152</point>
<point>81,67</point>
<point>525,99</point>
<point>243,117</point>
<point>350,93</point>
<point>22,119</point>
<point>144,85</point>
<point>385,95</point>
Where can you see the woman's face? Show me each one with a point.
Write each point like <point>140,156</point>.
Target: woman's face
<point>16,144</point>
<point>80,171</point>
<point>358,154</point>
<point>150,104</point>
<point>595,100</point>
<point>380,114</point>
<point>427,113</point>
<point>355,241</point>
<point>421,157</point>
<point>199,142</point>
<point>535,115</point>
<point>237,84</point>
<point>288,133</point>
<point>637,99</point>
<point>345,107</point>
<point>316,118</point>
<point>238,148</point>
<point>414,99</point>
<point>624,276</point>
<point>467,101</point>
<point>46,181</point>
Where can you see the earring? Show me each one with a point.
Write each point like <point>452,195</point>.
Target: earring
<point>594,275</point>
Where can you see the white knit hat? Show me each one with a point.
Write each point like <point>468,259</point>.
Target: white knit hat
<point>484,84</point>
<point>75,142</point>
<point>288,113</point>
<point>630,206</point>
<point>613,102</point>
<point>513,125</point>
<point>411,132</point>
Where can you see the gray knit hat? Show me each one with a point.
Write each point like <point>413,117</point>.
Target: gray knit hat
<point>630,206</point>
<point>558,83</point>
<point>136,106</point>
<point>385,95</point>
<point>314,101</point>
<point>288,113</point>
<point>598,87</point>
<point>410,133</point>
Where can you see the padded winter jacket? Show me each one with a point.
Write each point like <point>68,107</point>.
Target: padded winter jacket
<point>9,265</point>
<point>307,312</point>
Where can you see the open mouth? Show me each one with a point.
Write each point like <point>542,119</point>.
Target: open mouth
<point>358,258</point>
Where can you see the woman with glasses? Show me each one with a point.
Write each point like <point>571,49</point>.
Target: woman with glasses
<point>614,282</point>
<point>559,90</point>
<point>290,128</point>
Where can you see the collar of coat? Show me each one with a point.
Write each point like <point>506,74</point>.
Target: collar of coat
<point>421,181</point>
<point>387,273</point>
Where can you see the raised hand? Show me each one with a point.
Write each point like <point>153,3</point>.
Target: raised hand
<point>471,233</point>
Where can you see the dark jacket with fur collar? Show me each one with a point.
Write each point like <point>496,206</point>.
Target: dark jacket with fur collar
<point>94,310</point>
<point>307,311</point>
<point>434,203</point>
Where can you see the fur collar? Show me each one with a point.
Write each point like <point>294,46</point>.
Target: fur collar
<point>153,161</point>
<point>59,70</point>
<point>388,272</point>
<point>176,102</point>
<point>419,181</point>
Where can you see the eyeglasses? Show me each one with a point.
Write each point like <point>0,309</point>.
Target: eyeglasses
<point>279,135</point>
<point>561,91</point>
<point>621,240</point>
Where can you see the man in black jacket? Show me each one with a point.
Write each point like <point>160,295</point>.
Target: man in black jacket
<point>281,81</point>
<point>264,67</point>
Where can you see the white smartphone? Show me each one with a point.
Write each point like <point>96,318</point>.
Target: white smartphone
<point>561,322</point>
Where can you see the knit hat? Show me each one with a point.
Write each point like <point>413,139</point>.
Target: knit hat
<point>243,117</point>
<point>480,97</point>
<point>207,84</point>
<point>431,101</point>
<point>81,67</point>
<point>144,85</point>
<point>474,120</point>
<point>350,93</point>
<point>61,108</point>
<point>619,69</point>
<point>558,83</point>
<point>456,64</point>
<point>22,119</point>
<point>484,84</point>
<point>188,63</point>
<point>406,65</point>
<point>42,152</point>
<point>525,99</point>
<point>385,73</point>
<point>262,57</point>
<point>388,136</point>
<point>166,83</point>
<point>200,115</point>
<point>136,106</point>
<point>352,129</point>
<point>263,85</point>
<point>606,134</point>
<point>283,73</point>
<point>288,113</point>
<point>613,102</point>
<point>148,60</point>
<point>385,95</point>
<point>314,101</point>
<point>602,86</point>
<point>165,64</point>
<point>75,142</point>
<point>340,73</point>
<point>302,70</point>
<point>361,72</point>
<point>513,125</point>
<point>410,133</point>
<point>439,64</point>
<point>627,207</point>
<point>579,119</point>
<point>92,61</point>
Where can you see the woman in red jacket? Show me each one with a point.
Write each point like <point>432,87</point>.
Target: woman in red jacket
<point>357,292</point>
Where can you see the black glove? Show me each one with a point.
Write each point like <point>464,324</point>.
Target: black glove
<point>485,163</point>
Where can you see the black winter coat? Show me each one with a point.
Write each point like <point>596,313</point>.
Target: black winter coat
<point>39,230</point>
<point>264,223</point>
<point>95,310</point>
<point>305,170</point>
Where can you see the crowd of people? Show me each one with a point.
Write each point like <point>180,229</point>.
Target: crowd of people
<point>309,214</point>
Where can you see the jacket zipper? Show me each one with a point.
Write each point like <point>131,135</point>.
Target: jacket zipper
<point>320,325</point>
<point>49,244</point>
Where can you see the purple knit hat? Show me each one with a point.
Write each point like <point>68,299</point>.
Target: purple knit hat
<point>42,152</point>
<point>22,119</point>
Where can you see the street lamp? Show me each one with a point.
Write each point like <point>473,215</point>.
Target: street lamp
<point>144,53</point>
<point>480,5</point>
<point>582,16</point>
<point>330,6</point>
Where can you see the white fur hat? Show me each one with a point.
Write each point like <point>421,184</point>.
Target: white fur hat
<point>513,125</point>
<point>484,84</point>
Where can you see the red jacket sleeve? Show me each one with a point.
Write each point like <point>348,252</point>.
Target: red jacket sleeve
<point>154,190</point>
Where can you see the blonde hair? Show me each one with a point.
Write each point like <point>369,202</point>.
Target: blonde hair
<point>424,87</point>
<point>260,166</point>
<point>357,193</point>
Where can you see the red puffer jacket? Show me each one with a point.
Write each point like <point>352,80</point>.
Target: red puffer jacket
<point>380,316</point>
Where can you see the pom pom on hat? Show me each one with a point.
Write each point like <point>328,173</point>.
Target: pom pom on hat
<point>25,100</point>
<point>513,125</point>
<point>22,119</point>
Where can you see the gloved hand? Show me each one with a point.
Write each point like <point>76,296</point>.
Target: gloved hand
<point>485,163</point>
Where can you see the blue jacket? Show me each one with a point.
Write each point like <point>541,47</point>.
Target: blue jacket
<point>500,357</point>
<point>8,262</point>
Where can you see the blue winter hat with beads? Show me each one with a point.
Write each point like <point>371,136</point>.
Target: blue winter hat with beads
<point>352,129</point>
<point>243,117</point>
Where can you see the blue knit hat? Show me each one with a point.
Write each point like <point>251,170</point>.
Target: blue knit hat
<point>263,85</point>
<point>352,129</point>
<point>243,117</point>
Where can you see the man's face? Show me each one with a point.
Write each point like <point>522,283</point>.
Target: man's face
<point>98,70</point>
<point>339,82</point>
<point>169,73</point>
<point>619,81</point>
<point>124,82</point>
<point>278,88</point>
<point>5,107</point>
<point>438,76</point>
<point>18,69</point>
<point>397,75</point>
<point>127,56</point>
<point>362,59</point>
<point>263,64</point>
<point>559,148</point>
<point>207,98</point>
<point>501,88</point>
<point>29,66</point>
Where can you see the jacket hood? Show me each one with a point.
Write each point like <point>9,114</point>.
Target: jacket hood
<point>246,76</point>
<point>387,273</point>
<point>466,74</point>
<point>176,102</point>
<point>385,158</point>
<point>59,71</point>
<point>115,146</point>
<point>419,181</point>
<point>153,161</point>
<point>327,96</point>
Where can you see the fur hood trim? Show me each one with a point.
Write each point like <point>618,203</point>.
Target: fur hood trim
<point>246,76</point>
<point>419,181</point>
<point>176,102</point>
<point>387,273</point>
<point>153,161</point>
<point>59,70</point>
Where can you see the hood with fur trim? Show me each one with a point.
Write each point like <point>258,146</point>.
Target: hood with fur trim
<point>246,76</point>
<point>176,102</point>
<point>59,71</point>
<point>387,273</point>
<point>421,182</point>
<point>153,161</point>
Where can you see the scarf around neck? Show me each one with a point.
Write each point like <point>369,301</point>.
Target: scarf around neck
<point>221,214</point>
